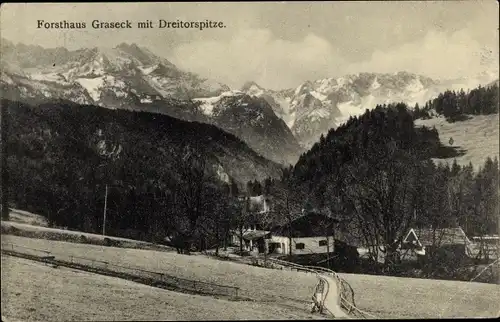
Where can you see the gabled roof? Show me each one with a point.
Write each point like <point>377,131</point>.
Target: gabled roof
<point>436,236</point>
<point>251,234</point>
<point>255,234</point>
<point>306,224</point>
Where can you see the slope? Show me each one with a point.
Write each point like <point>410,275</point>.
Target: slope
<point>253,120</point>
<point>390,297</point>
<point>36,292</point>
<point>115,134</point>
<point>477,137</point>
<point>256,283</point>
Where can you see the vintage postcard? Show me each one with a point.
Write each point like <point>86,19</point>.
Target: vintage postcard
<point>249,160</point>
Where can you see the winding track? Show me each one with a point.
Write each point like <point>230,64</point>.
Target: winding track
<point>331,292</point>
<point>332,299</point>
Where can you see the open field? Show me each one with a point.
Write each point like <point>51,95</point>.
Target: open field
<point>25,217</point>
<point>479,137</point>
<point>286,287</point>
<point>32,291</point>
<point>34,231</point>
<point>389,297</point>
<point>385,297</point>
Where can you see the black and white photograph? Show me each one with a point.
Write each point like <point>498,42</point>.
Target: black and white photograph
<point>291,160</point>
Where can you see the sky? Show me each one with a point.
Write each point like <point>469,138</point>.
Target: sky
<point>282,44</point>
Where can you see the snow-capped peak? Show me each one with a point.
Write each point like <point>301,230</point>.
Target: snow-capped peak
<point>316,106</point>
<point>208,103</point>
<point>106,75</point>
<point>251,88</point>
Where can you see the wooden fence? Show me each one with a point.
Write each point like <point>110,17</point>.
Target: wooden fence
<point>128,272</point>
<point>345,291</point>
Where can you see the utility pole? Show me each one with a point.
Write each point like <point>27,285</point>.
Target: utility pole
<point>105,206</point>
<point>4,205</point>
<point>329,232</point>
<point>327,251</point>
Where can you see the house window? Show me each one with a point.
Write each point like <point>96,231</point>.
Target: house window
<point>322,242</point>
<point>299,246</point>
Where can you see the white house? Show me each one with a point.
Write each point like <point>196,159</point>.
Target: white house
<point>310,233</point>
<point>419,241</point>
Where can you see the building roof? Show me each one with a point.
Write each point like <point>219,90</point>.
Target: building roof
<point>486,237</point>
<point>307,224</point>
<point>255,234</point>
<point>251,234</point>
<point>436,236</point>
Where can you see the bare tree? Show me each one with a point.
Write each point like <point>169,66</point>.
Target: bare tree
<point>383,202</point>
<point>215,222</point>
<point>189,198</point>
<point>242,218</point>
<point>288,202</point>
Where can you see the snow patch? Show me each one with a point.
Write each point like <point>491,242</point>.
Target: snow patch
<point>255,90</point>
<point>290,120</point>
<point>146,100</point>
<point>415,86</point>
<point>342,81</point>
<point>6,78</point>
<point>318,114</point>
<point>349,108</point>
<point>221,174</point>
<point>302,88</point>
<point>375,84</point>
<point>49,77</point>
<point>93,86</point>
<point>326,85</point>
<point>147,70</point>
<point>318,96</point>
<point>207,104</point>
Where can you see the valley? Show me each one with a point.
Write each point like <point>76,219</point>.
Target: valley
<point>249,161</point>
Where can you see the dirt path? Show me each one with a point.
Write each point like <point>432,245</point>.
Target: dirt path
<point>332,300</point>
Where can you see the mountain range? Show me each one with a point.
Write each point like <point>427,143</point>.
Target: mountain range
<point>278,124</point>
<point>314,107</point>
<point>130,77</point>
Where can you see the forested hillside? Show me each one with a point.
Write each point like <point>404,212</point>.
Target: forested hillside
<point>376,176</point>
<point>162,173</point>
<point>456,105</point>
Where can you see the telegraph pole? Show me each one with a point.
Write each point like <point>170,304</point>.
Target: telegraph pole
<point>105,206</point>
<point>4,205</point>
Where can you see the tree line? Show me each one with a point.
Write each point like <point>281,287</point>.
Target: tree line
<point>455,105</point>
